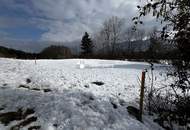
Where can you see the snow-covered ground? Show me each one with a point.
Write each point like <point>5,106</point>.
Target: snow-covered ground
<point>75,94</point>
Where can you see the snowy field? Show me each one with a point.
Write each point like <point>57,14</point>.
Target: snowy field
<point>73,94</point>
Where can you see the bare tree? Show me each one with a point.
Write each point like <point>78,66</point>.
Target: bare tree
<point>129,37</point>
<point>116,27</point>
<point>99,42</point>
<point>139,36</point>
<point>157,46</point>
<point>111,33</point>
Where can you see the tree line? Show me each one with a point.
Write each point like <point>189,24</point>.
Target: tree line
<point>115,40</point>
<point>51,52</point>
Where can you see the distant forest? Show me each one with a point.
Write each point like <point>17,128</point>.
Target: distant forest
<point>62,52</point>
<point>51,52</point>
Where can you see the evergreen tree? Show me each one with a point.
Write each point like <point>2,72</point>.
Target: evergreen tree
<point>87,45</point>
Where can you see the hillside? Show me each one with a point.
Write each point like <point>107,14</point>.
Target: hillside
<point>55,52</point>
<point>12,53</point>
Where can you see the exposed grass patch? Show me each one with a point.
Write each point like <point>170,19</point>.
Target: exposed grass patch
<point>28,111</point>
<point>24,123</point>
<point>35,89</point>
<point>28,80</point>
<point>55,125</point>
<point>23,86</point>
<point>133,111</point>
<point>47,90</point>
<point>86,86</point>
<point>122,102</point>
<point>99,83</point>
<point>8,117</point>
<point>114,105</point>
<point>20,114</point>
<point>34,128</point>
<point>5,84</point>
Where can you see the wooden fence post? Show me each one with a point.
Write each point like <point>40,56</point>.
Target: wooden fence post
<point>142,95</point>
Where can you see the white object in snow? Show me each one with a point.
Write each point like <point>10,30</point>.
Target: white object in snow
<point>81,64</point>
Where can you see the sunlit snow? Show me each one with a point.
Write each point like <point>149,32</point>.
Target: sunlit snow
<point>63,95</point>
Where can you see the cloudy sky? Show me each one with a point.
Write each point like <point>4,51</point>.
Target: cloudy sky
<point>59,20</point>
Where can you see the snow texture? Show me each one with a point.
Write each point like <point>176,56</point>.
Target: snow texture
<point>73,102</point>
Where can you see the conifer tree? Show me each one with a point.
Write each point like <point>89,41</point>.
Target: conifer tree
<point>86,45</point>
